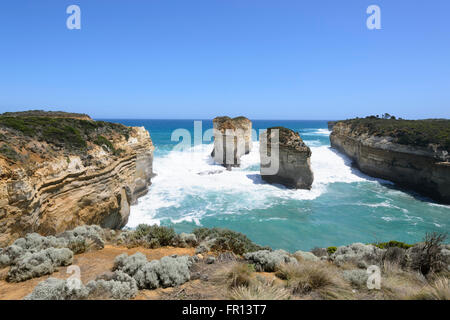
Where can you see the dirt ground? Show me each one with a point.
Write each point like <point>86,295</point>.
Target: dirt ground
<point>92,264</point>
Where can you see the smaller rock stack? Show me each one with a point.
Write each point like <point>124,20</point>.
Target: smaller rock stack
<point>294,166</point>
<point>232,139</point>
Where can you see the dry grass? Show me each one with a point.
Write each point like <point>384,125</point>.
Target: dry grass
<point>320,278</point>
<point>240,275</point>
<point>439,289</point>
<point>408,285</point>
<point>260,291</point>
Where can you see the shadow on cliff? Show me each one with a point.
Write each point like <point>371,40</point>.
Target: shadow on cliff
<point>415,195</point>
<point>386,183</point>
<point>356,171</point>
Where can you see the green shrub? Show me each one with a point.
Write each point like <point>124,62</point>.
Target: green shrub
<point>9,152</point>
<point>392,244</point>
<point>151,236</point>
<point>227,240</point>
<point>103,142</point>
<point>331,250</point>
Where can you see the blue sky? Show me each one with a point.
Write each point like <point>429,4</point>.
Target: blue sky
<point>196,59</point>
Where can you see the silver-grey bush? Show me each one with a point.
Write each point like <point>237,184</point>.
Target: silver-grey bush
<point>266,260</point>
<point>167,272</point>
<point>120,287</point>
<point>57,289</point>
<point>37,264</point>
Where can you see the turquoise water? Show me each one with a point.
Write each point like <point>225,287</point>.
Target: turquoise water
<point>343,206</point>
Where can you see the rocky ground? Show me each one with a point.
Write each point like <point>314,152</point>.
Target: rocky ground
<point>154,262</point>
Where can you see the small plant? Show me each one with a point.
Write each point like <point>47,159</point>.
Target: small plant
<point>260,291</point>
<point>104,143</point>
<point>9,152</point>
<point>227,240</point>
<point>331,250</point>
<point>320,277</point>
<point>151,236</point>
<point>240,275</point>
<point>429,259</point>
<point>304,278</point>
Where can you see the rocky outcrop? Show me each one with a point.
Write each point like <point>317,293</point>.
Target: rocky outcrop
<point>424,169</point>
<point>232,139</point>
<point>331,124</point>
<point>58,173</point>
<point>292,166</point>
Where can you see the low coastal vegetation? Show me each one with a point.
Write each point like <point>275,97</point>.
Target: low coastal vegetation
<point>219,239</point>
<point>71,131</point>
<point>408,132</point>
<point>392,244</point>
<point>224,264</point>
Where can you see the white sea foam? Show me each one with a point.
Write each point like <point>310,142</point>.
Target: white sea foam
<point>323,132</point>
<point>192,181</point>
<point>439,205</point>
<point>384,204</point>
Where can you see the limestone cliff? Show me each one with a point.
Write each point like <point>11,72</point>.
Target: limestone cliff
<point>232,139</point>
<point>393,154</point>
<point>58,172</point>
<point>331,124</point>
<point>294,164</point>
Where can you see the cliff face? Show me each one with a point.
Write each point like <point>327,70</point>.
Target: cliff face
<point>294,164</point>
<point>58,173</point>
<point>232,139</point>
<point>331,125</point>
<point>423,169</point>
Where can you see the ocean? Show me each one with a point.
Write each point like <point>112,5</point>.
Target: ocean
<point>344,205</point>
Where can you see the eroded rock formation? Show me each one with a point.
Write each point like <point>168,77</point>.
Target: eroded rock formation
<point>232,139</point>
<point>331,124</point>
<point>425,169</point>
<point>292,166</point>
<point>58,173</point>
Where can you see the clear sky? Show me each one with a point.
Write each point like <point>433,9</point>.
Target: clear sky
<point>196,59</point>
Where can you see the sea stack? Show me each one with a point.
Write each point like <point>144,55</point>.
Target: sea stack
<point>294,164</point>
<point>232,139</point>
<point>61,170</point>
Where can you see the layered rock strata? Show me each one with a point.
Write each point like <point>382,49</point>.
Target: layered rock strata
<point>285,158</point>
<point>424,169</point>
<point>232,139</point>
<point>58,173</point>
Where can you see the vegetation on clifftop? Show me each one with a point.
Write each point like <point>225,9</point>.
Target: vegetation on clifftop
<point>227,240</point>
<point>66,132</point>
<point>407,132</point>
<point>288,138</point>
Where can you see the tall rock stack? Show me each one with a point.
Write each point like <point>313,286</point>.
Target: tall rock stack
<point>292,166</point>
<point>232,139</point>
